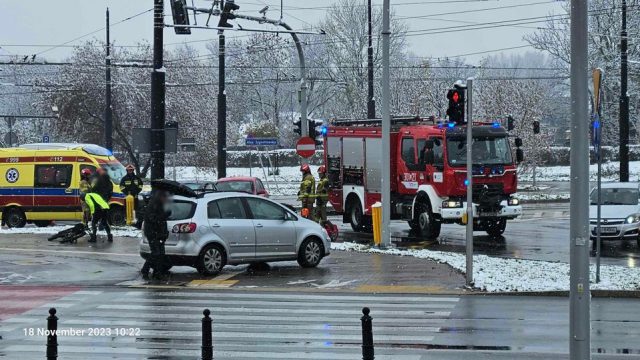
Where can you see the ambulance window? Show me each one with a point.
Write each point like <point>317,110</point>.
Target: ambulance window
<point>53,176</point>
<point>408,151</point>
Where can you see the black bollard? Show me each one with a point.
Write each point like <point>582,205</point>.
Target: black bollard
<point>52,337</point>
<point>367,335</point>
<point>207,341</point>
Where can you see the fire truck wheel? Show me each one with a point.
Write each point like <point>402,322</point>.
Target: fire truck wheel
<point>496,227</point>
<point>14,218</point>
<point>356,217</point>
<point>428,227</point>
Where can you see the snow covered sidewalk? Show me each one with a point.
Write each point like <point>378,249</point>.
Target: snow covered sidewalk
<point>50,230</point>
<point>494,274</point>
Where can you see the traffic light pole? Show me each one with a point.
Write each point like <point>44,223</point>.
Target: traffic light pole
<point>469,226</point>
<point>386,126</point>
<point>371,102</point>
<point>624,98</point>
<point>157,93</point>
<point>108,114</point>
<point>579,318</point>
<point>222,105</point>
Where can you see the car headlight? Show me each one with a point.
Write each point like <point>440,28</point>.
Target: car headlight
<point>451,204</point>
<point>631,219</point>
<point>514,201</point>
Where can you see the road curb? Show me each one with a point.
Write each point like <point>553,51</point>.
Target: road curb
<point>630,294</point>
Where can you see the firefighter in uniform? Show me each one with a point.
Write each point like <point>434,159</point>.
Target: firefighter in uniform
<point>85,188</point>
<point>131,184</point>
<point>307,189</point>
<point>322,196</point>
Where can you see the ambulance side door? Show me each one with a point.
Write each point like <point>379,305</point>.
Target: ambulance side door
<point>53,190</point>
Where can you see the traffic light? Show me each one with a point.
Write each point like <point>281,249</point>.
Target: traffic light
<point>511,123</point>
<point>536,127</point>
<point>180,16</point>
<point>227,13</point>
<point>455,112</point>
<point>297,127</point>
<point>317,131</point>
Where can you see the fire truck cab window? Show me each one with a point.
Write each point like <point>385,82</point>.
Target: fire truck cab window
<point>408,151</point>
<point>485,151</point>
<point>437,151</point>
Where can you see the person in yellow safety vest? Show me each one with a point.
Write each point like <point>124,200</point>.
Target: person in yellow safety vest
<point>85,188</point>
<point>322,196</point>
<point>99,209</point>
<point>307,189</point>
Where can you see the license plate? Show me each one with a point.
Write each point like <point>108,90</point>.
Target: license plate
<point>607,230</point>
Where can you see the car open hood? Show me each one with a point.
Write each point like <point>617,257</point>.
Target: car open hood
<point>173,187</point>
<point>613,211</point>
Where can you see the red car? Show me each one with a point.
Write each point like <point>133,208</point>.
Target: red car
<point>246,184</point>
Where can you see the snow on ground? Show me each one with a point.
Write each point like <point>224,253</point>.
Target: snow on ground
<point>523,196</point>
<point>50,230</point>
<point>562,173</point>
<point>494,274</point>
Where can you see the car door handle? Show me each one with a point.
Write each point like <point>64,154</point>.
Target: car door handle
<point>216,225</point>
<point>259,225</point>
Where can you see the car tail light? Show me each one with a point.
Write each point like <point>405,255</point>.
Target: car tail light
<point>184,228</point>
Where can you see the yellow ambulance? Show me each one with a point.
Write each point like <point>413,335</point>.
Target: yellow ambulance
<point>39,182</point>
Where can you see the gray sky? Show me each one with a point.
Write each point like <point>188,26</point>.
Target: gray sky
<point>46,22</point>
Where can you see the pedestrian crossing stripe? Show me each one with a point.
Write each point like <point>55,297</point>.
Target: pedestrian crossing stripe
<point>246,324</point>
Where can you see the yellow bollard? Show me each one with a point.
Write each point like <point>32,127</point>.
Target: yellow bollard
<point>376,212</point>
<point>129,208</point>
<point>464,217</point>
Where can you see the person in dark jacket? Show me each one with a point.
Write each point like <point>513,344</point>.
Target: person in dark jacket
<point>131,184</point>
<point>102,184</point>
<point>156,232</point>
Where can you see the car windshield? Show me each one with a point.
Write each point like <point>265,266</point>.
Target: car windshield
<point>485,151</point>
<point>235,185</point>
<point>181,209</point>
<point>616,196</point>
<point>115,170</point>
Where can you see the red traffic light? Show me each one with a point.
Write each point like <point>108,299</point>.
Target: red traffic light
<point>455,97</point>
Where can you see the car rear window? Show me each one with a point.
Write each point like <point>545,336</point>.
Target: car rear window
<point>181,209</point>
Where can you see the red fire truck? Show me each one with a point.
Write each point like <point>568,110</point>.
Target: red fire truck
<point>428,173</point>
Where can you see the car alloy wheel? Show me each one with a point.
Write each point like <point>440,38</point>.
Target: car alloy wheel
<point>212,260</point>
<point>312,252</point>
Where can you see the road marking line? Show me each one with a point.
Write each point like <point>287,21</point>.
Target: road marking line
<point>289,297</point>
<point>212,283</point>
<point>398,289</point>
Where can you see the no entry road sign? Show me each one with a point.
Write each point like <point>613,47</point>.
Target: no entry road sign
<point>306,147</point>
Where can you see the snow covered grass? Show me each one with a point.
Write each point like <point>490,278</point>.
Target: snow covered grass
<point>514,275</point>
<point>543,196</point>
<point>562,173</point>
<point>50,230</point>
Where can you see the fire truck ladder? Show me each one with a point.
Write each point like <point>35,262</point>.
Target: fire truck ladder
<point>395,120</point>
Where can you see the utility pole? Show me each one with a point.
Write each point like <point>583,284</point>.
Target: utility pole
<point>386,126</point>
<point>580,296</point>
<point>222,105</point>
<point>157,93</point>
<point>469,227</point>
<point>624,99</point>
<point>108,115</point>
<point>371,102</point>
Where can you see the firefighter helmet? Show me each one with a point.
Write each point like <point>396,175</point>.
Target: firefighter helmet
<point>322,170</point>
<point>86,172</point>
<point>305,213</point>
<point>304,168</point>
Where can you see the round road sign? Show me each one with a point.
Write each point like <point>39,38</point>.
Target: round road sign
<point>306,147</point>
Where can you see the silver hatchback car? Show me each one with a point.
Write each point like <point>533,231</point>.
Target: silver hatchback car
<point>222,228</point>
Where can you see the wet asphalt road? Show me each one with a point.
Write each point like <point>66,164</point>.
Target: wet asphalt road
<point>541,234</point>
<point>165,324</point>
